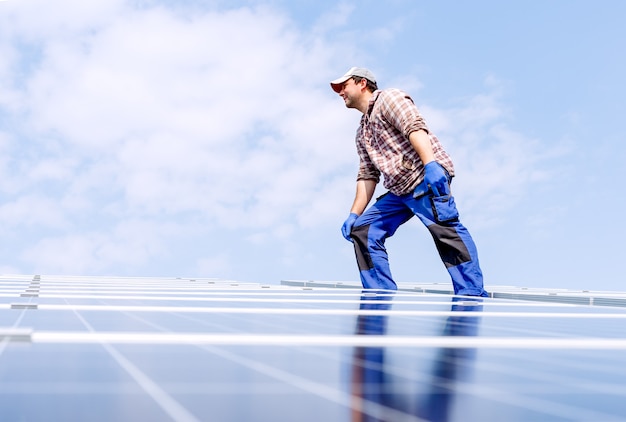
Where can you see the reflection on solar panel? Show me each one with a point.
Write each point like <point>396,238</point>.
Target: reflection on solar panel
<point>149,349</point>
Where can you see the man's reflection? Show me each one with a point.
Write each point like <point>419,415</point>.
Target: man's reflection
<point>375,398</point>
<point>369,387</point>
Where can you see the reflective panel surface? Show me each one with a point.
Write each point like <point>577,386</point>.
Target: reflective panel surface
<point>149,349</point>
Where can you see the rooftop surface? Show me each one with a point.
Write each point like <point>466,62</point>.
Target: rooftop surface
<point>128,349</point>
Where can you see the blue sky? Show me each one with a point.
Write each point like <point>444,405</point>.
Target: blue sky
<point>201,139</point>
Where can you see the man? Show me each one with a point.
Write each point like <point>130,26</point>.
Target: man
<point>393,140</point>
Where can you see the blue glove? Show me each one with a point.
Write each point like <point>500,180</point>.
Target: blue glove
<point>347,226</point>
<point>436,179</point>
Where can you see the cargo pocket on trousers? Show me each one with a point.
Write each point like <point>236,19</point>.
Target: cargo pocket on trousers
<point>444,208</point>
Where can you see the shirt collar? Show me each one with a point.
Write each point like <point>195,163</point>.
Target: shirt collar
<point>373,99</point>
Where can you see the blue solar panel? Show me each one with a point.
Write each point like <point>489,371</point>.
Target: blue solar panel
<point>128,349</point>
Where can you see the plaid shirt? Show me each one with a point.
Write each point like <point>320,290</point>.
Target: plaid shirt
<point>383,145</point>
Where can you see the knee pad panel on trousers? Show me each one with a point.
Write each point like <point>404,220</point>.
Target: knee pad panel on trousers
<point>363,258</point>
<point>450,245</point>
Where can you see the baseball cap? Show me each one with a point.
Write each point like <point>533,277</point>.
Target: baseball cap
<point>354,71</point>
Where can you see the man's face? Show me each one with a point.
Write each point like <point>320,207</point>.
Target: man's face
<point>350,92</point>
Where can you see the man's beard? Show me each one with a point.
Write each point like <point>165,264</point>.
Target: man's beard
<point>349,102</point>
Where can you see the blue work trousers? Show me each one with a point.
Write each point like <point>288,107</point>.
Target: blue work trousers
<point>454,243</point>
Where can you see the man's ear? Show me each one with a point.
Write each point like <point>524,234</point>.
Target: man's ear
<point>363,84</point>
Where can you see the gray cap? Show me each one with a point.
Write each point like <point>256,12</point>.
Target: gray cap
<point>354,71</point>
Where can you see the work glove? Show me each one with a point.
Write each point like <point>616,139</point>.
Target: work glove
<point>347,226</point>
<point>436,179</point>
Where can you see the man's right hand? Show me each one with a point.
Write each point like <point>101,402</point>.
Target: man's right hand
<point>347,226</point>
<point>436,178</point>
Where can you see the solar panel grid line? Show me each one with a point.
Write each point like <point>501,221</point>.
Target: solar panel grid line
<point>177,313</point>
<point>208,388</point>
<point>111,278</point>
<point>169,405</point>
<point>60,388</point>
<point>524,331</point>
<point>543,406</point>
<point>276,324</point>
<point>152,292</point>
<point>518,398</point>
<point>371,409</point>
<point>214,326</point>
<point>266,299</point>
<point>547,382</point>
<point>547,389</point>
<point>308,385</point>
<point>517,343</point>
<point>233,319</point>
<point>595,415</point>
<point>582,297</point>
<point>144,321</point>
<point>269,295</point>
<point>172,407</point>
<point>122,287</point>
<point>125,282</point>
<point>318,311</point>
<point>615,300</point>
<point>317,352</point>
<point>119,290</point>
<point>196,298</point>
<point>608,365</point>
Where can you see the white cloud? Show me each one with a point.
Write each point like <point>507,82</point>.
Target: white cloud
<point>219,265</point>
<point>496,165</point>
<point>32,210</point>
<point>139,115</point>
<point>129,244</point>
<point>37,19</point>
<point>334,18</point>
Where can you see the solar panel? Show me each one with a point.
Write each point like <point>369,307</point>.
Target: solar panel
<point>114,348</point>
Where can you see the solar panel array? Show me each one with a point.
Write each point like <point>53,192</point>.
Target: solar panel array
<point>161,349</point>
